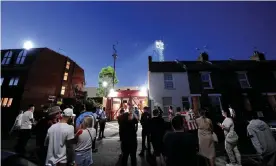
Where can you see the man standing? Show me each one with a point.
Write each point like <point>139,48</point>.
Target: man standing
<point>180,146</point>
<point>60,140</point>
<point>191,122</point>
<point>102,122</point>
<point>262,139</point>
<point>128,138</point>
<point>145,121</point>
<point>25,129</point>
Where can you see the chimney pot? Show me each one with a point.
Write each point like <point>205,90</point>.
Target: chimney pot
<point>203,57</point>
<point>258,56</point>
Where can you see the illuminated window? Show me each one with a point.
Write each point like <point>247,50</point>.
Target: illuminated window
<point>242,76</point>
<point>7,58</point>
<point>21,57</point>
<point>14,81</point>
<point>65,77</point>
<point>206,80</point>
<point>6,102</point>
<point>2,79</point>
<point>68,65</point>
<point>62,90</point>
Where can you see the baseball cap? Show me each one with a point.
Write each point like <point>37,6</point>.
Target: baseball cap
<point>68,112</point>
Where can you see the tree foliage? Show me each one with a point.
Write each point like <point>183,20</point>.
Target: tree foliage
<point>106,75</point>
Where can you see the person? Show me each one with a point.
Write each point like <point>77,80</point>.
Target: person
<point>122,111</point>
<point>85,137</point>
<point>129,138</point>
<point>157,131</point>
<point>262,139</point>
<point>136,113</point>
<point>145,121</point>
<point>179,146</point>
<point>178,111</point>
<point>60,140</point>
<point>231,139</point>
<point>190,122</point>
<point>25,129</point>
<point>160,111</point>
<point>80,119</point>
<point>206,142</point>
<point>171,114</point>
<point>102,122</point>
<point>52,117</point>
<point>17,123</point>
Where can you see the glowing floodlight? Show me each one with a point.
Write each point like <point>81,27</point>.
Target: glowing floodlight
<point>159,44</point>
<point>28,45</point>
<point>143,91</point>
<point>104,84</point>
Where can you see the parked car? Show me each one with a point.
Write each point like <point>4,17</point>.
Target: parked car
<point>13,159</point>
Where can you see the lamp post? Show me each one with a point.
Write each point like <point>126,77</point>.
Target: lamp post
<point>114,64</point>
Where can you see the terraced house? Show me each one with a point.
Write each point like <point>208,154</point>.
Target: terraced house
<point>245,85</point>
<point>36,76</point>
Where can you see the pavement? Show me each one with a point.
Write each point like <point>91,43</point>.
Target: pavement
<point>109,148</point>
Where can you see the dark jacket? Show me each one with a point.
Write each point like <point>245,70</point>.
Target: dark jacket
<point>145,120</point>
<point>157,128</point>
<point>128,129</point>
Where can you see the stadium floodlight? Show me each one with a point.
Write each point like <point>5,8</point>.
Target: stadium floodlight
<point>159,44</point>
<point>28,45</point>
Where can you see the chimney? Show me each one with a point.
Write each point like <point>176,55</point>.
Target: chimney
<point>257,56</point>
<point>203,57</point>
<point>149,62</point>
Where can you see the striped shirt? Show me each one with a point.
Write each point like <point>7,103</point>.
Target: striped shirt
<point>190,120</point>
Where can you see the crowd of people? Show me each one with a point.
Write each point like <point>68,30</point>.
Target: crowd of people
<point>63,138</point>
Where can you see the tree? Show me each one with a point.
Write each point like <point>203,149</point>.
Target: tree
<point>106,75</point>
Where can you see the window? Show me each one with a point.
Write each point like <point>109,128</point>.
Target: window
<point>247,103</point>
<point>2,79</point>
<point>68,65</point>
<point>185,103</point>
<point>206,80</point>
<point>6,102</point>
<point>168,81</point>
<point>65,77</point>
<point>7,58</point>
<point>243,80</point>
<point>215,102</point>
<point>62,90</point>
<point>21,57</point>
<point>167,102</point>
<point>14,81</point>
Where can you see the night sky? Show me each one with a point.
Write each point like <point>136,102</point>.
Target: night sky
<point>86,31</point>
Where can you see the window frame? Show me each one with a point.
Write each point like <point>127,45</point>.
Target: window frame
<point>245,79</point>
<point>68,64</point>
<point>219,99</point>
<point>166,107</point>
<point>66,74</point>
<point>14,80</point>
<point>21,57</point>
<point>204,81</point>
<point>62,91</point>
<point>187,101</point>
<point>8,102</point>
<point>168,81</point>
<point>7,58</point>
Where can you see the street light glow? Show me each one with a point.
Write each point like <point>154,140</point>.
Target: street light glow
<point>159,44</point>
<point>28,45</point>
<point>104,84</point>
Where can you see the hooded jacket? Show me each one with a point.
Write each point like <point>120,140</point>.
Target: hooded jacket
<point>261,137</point>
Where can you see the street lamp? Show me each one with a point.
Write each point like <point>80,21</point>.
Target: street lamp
<point>114,63</point>
<point>28,45</point>
<point>105,84</point>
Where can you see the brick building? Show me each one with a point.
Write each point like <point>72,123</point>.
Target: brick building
<point>33,77</point>
<point>245,85</point>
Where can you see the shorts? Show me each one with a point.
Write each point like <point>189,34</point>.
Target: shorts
<point>84,158</point>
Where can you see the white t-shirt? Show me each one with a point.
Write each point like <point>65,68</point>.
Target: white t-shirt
<point>84,139</point>
<point>26,122</point>
<point>228,125</point>
<point>57,136</point>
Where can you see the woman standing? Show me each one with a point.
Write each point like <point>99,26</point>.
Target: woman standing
<point>206,142</point>
<point>85,137</point>
<point>231,139</point>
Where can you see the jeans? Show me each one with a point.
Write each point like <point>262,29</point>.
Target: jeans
<point>24,136</point>
<point>233,153</point>
<point>84,158</point>
<point>145,135</point>
<point>129,149</point>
